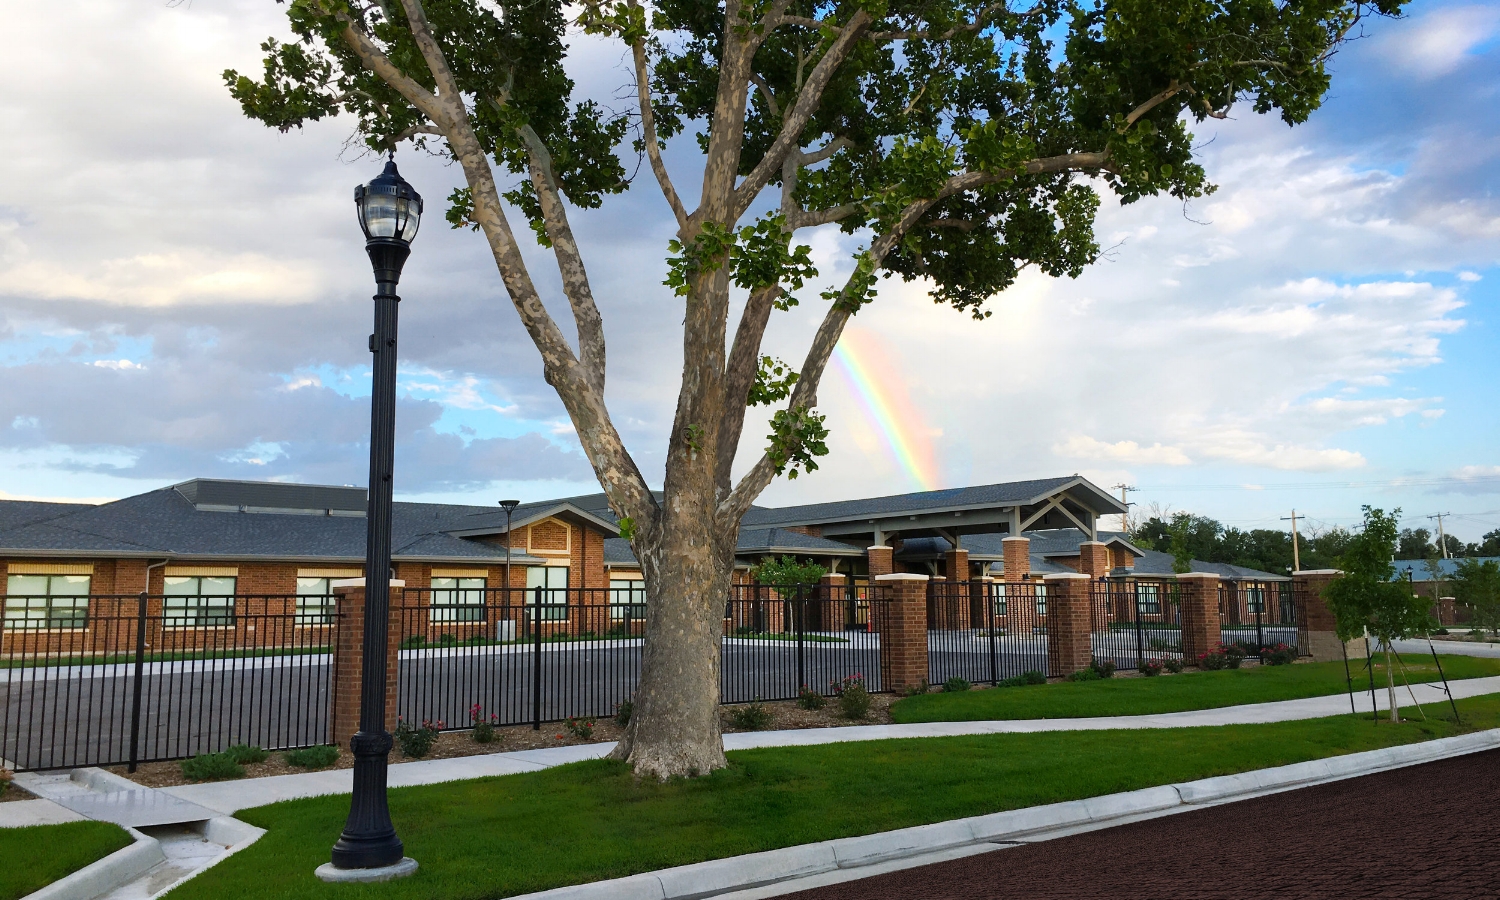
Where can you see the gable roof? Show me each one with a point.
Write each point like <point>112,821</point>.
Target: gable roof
<point>1011,493</point>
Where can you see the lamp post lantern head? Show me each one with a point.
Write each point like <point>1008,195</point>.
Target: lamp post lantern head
<point>510,504</point>
<point>390,211</point>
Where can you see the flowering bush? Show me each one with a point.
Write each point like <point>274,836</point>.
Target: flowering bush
<point>417,742</point>
<point>1234,654</point>
<point>807,698</point>
<point>854,698</point>
<point>484,728</point>
<point>1213,660</point>
<point>1173,664</point>
<point>583,729</point>
<point>1279,655</point>
<point>1151,668</point>
<point>1104,668</point>
<point>754,717</point>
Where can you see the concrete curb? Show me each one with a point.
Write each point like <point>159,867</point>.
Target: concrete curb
<point>737,873</point>
<point>101,876</point>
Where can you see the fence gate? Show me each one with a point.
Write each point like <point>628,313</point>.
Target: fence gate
<point>1135,622</point>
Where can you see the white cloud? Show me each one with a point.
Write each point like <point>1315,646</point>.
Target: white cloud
<point>1128,452</point>
<point>1438,42</point>
<point>1469,276</point>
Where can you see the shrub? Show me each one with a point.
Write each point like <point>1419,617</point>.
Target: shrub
<point>245,755</point>
<point>313,757</point>
<point>416,742</point>
<point>808,698</point>
<point>854,699</point>
<point>1213,660</point>
<point>413,642</point>
<point>1279,655</point>
<point>1441,631</point>
<point>955,684</point>
<point>1235,654</point>
<point>484,729</point>
<point>1084,675</point>
<point>918,689</point>
<point>1476,632</point>
<point>1151,668</point>
<point>1031,676</point>
<point>1173,664</point>
<point>211,767</point>
<point>753,717</point>
<point>1104,668</point>
<point>583,729</point>
<point>622,713</point>
<point>5,778</point>
<point>447,639</point>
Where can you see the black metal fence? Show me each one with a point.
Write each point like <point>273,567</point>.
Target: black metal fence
<point>138,678</point>
<point>985,632</point>
<point>547,654</point>
<point>1135,622</point>
<point>1261,615</point>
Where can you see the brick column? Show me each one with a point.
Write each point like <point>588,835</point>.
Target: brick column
<point>348,659</point>
<point>1199,614</point>
<point>1016,564</point>
<point>1314,615</point>
<point>1069,624</point>
<point>901,619</point>
<point>1093,559</point>
<point>979,592</point>
<point>828,606</point>
<point>881,560</point>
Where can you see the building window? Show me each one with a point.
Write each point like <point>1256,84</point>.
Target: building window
<point>198,601</point>
<point>314,601</point>
<point>1147,600</point>
<point>47,601</point>
<point>553,580</point>
<point>1041,600</point>
<point>1255,600</point>
<point>627,598</point>
<point>997,597</point>
<point>458,599</point>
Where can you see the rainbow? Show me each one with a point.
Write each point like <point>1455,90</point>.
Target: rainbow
<point>865,363</point>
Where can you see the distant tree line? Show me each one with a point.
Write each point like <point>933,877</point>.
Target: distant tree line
<point>1418,543</point>
<point>1187,536</point>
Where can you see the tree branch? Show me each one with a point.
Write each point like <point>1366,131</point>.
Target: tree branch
<point>813,157</point>
<point>796,119</point>
<point>817,217</point>
<point>1173,89</point>
<point>575,279</point>
<point>765,91</point>
<point>740,372</point>
<point>648,133</point>
<point>415,130</point>
<point>805,394</point>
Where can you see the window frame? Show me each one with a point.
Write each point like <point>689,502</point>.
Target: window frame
<point>175,607</point>
<point>551,611</point>
<point>628,608</point>
<point>1148,599</point>
<point>453,603</point>
<point>77,618</point>
<point>309,615</point>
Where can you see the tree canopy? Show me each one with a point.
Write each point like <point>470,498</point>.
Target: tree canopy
<point>958,141</point>
<point>1266,549</point>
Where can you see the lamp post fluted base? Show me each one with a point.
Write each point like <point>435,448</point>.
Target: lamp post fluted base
<point>333,874</point>
<point>369,841</point>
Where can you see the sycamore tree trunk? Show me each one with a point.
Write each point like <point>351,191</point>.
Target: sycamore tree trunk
<point>674,725</point>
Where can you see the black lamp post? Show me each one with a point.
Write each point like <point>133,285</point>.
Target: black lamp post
<point>389,212</point>
<point>509,506</point>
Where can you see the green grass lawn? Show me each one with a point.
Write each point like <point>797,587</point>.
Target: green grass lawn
<point>34,857</point>
<point>498,837</point>
<point>1173,693</point>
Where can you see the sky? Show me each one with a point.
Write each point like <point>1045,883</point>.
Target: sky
<point>183,293</point>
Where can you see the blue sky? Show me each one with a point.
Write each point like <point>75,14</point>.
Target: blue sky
<point>185,295</point>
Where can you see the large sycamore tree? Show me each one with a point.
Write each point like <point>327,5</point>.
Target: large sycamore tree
<point>960,141</point>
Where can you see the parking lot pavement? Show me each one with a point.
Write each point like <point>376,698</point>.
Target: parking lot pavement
<point>1420,832</point>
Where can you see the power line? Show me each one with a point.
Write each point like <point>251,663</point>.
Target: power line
<point>1305,485</point>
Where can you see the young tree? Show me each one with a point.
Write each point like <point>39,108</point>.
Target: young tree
<point>1476,584</point>
<point>787,571</point>
<point>1371,598</point>
<point>962,140</point>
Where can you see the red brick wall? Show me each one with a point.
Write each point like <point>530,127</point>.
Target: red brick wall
<point>1017,562</point>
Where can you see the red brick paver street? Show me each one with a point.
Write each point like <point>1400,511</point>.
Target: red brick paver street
<point>1427,831</point>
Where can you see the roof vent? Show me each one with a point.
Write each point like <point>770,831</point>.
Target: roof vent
<point>216,495</point>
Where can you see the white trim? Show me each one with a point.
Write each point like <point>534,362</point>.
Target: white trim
<point>901,576</point>
<point>1063,576</point>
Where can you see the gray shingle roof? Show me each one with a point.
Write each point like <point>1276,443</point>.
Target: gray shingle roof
<point>1007,494</point>
<point>1152,562</point>
<point>15,513</point>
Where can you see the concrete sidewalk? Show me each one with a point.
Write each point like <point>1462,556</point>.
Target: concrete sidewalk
<point>228,796</point>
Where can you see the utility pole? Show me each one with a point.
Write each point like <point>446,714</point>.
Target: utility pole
<point>1442,539</point>
<point>1296,560</point>
<point>1124,490</point>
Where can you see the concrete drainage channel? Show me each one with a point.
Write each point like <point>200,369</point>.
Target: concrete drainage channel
<point>174,839</point>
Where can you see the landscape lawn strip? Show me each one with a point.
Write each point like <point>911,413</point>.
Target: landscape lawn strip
<point>35,856</point>
<point>503,836</point>
<point>1180,693</point>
